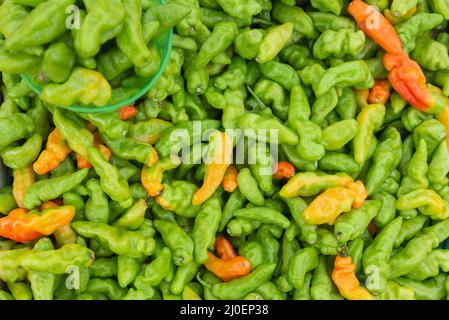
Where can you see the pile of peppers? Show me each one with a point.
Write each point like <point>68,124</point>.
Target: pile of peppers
<point>352,204</point>
<point>84,52</point>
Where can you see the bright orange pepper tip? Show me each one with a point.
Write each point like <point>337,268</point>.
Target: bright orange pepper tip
<point>54,154</point>
<point>380,93</point>
<point>229,265</point>
<point>343,275</point>
<point>127,112</point>
<point>284,170</point>
<point>230,179</point>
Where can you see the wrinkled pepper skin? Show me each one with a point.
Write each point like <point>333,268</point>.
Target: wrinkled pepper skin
<point>132,244</point>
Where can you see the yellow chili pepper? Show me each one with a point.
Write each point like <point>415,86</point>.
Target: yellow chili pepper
<point>219,159</point>
<point>326,207</point>
<point>347,283</point>
<point>23,179</point>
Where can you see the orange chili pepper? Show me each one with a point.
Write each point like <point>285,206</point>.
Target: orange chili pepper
<point>228,270</point>
<point>376,26</point>
<point>360,193</point>
<point>23,179</point>
<point>347,283</point>
<point>224,249</point>
<point>230,179</point>
<point>54,154</point>
<point>219,161</point>
<point>326,207</point>
<point>380,93</point>
<point>22,226</point>
<point>127,112</point>
<point>284,170</point>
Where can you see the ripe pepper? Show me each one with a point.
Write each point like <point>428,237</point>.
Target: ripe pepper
<point>54,154</point>
<point>23,179</point>
<point>343,275</point>
<point>380,93</point>
<point>219,159</point>
<point>376,26</point>
<point>152,176</point>
<point>22,226</point>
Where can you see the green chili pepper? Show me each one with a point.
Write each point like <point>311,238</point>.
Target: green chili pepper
<point>239,9</point>
<point>303,24</point>
<point>274,41</point>
<point>350,225</point>
<point>431,289</point>
<point>238,288</point>
<point>206,225</point>
<point>127,243</point>
<point>248,187</point>
<point>184,274</point>
<point>49,189</point>
<point>177,240</point>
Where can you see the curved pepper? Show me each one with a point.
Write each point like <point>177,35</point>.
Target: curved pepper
<point>177,196</point>
<point>102,23</point>
<point>152,176</point>
<point>229,183</point>
<point>240,9</point>
<point>239,288</point>
<point>177,240</point>
<point>41,26</point>
<point>50,189</point>
<point>205,228</point>
<point>16,157</point>
<point>303,261</point>
<point>54,154</point>
<point>132,244</point>
<point>111,181</point>
<point>83,86</point>
<point>369,119</point>
<point>22,226</point>
<point>274,41</point>
<point>428,202</point>
<point>346,281</point>
<point>380,93</point>
<point>329,205</point>
<point>311,183</point>
<point>219,159</point>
